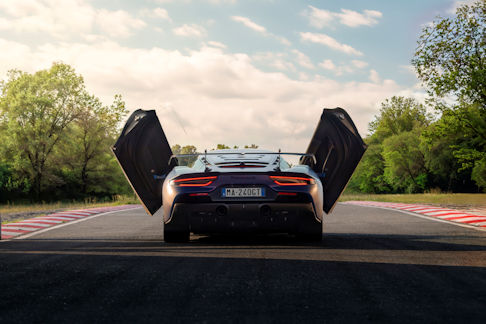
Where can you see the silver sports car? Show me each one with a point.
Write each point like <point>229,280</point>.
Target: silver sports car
<point>240,190</point>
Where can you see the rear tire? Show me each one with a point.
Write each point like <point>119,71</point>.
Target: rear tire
<point>176,237</point>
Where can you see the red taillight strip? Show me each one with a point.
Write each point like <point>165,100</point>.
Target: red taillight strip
<point>307,181</point>
<point>178,181</point>
<point>199,194</point>
<point>287,194</point>
<point>195,184</point>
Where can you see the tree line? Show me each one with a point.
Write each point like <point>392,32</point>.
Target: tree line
<point>411,150</point>
<point>55,138</point>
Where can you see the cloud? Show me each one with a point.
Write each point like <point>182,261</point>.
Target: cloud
<point>359,64</point>
<point>222,1</point>
<point>214,2</point>
<point>118,23</point>
<point>355,19</point>
<point>275,60</point>
<point>221,97</point>
<point>217,44</point>
<point>340,69</point>
<point>329,42</point>
<point>303,60</point>
<point>250,24</point>
<point>260,29</point>
<point>320,18</point>
<point>328,65</point>
<point>374,77</point>
<point>63,19</point>
<point>162,1</point>
<point>457,4</point>
<point>190,30</point>
<point>160,13</point>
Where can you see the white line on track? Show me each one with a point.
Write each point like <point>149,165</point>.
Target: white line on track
<point>8,233</point>
<point>467,218</point>
<point>437,213</point>
<point>71,215</point>
<point>20,237</point>
<point>46,221</point>
<point>28,229</point>
<point>449,216</point>
<point>61,218</point>
<point>29,223</point>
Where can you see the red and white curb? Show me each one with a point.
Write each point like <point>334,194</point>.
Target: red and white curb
<point>11,230</point>
<point>446,214</point>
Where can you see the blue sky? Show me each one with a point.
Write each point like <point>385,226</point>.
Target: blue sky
<point>234,71</point>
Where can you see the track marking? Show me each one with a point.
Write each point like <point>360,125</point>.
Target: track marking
<point>21,237</point>
<point>421,216</point>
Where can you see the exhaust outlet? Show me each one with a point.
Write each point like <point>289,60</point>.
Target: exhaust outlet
<point>221,210</point>
<point>265,211</point>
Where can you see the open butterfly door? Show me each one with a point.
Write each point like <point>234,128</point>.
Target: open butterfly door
<point>338,148</point>
<point>144,154</point>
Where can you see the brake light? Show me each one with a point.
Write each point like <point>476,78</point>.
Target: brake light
<point>292,181</point>
<point>287,194</point>
<point>194,182</point>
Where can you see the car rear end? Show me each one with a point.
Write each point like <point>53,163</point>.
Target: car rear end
<point>244,202</point>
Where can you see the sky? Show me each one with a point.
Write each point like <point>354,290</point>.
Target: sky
<point>228,71</point>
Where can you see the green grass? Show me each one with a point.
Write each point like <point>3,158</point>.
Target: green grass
<point>441,199</point>
<point>13,207</point>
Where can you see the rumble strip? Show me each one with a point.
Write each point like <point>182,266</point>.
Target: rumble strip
<point>12,230</point>
<point>439,213</point>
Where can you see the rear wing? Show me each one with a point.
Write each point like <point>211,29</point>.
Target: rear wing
<point>308,155</point>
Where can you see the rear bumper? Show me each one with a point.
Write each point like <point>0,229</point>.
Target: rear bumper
<point>259,217</point>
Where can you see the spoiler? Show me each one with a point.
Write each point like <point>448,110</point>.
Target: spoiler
<point>309,155</point>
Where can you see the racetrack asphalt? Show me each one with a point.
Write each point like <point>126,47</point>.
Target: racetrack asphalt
<point>373,265</point>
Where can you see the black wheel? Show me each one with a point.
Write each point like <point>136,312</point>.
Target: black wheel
<point>176,237</point>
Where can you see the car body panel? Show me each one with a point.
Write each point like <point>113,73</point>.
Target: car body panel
<point>338,148</point>
<point>144,153</point>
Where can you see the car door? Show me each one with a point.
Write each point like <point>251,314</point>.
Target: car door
<point>338,148</point>
<point>144,155</point>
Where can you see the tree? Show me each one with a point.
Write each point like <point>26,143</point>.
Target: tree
<point>451,55</point>
<point>384,166</point>
<point>398,114</point>
<point>222,147</point>
<point>88,144</point>
<point>187,149</point>
<point>404,162</point>
<point>369,175</point>
<point>452,148</point>
<point>36,110</point>
<point>451,61</point>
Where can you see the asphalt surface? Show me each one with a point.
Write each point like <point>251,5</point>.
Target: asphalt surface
<point>373,265</point>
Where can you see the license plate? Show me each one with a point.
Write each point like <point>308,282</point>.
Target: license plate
<point>243,192</point>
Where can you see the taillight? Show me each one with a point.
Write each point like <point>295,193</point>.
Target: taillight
<point>194,182</point>
<point>292,181</point>
<point>287,194</point>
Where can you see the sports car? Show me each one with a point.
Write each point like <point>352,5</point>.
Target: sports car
<point>239,190</point>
